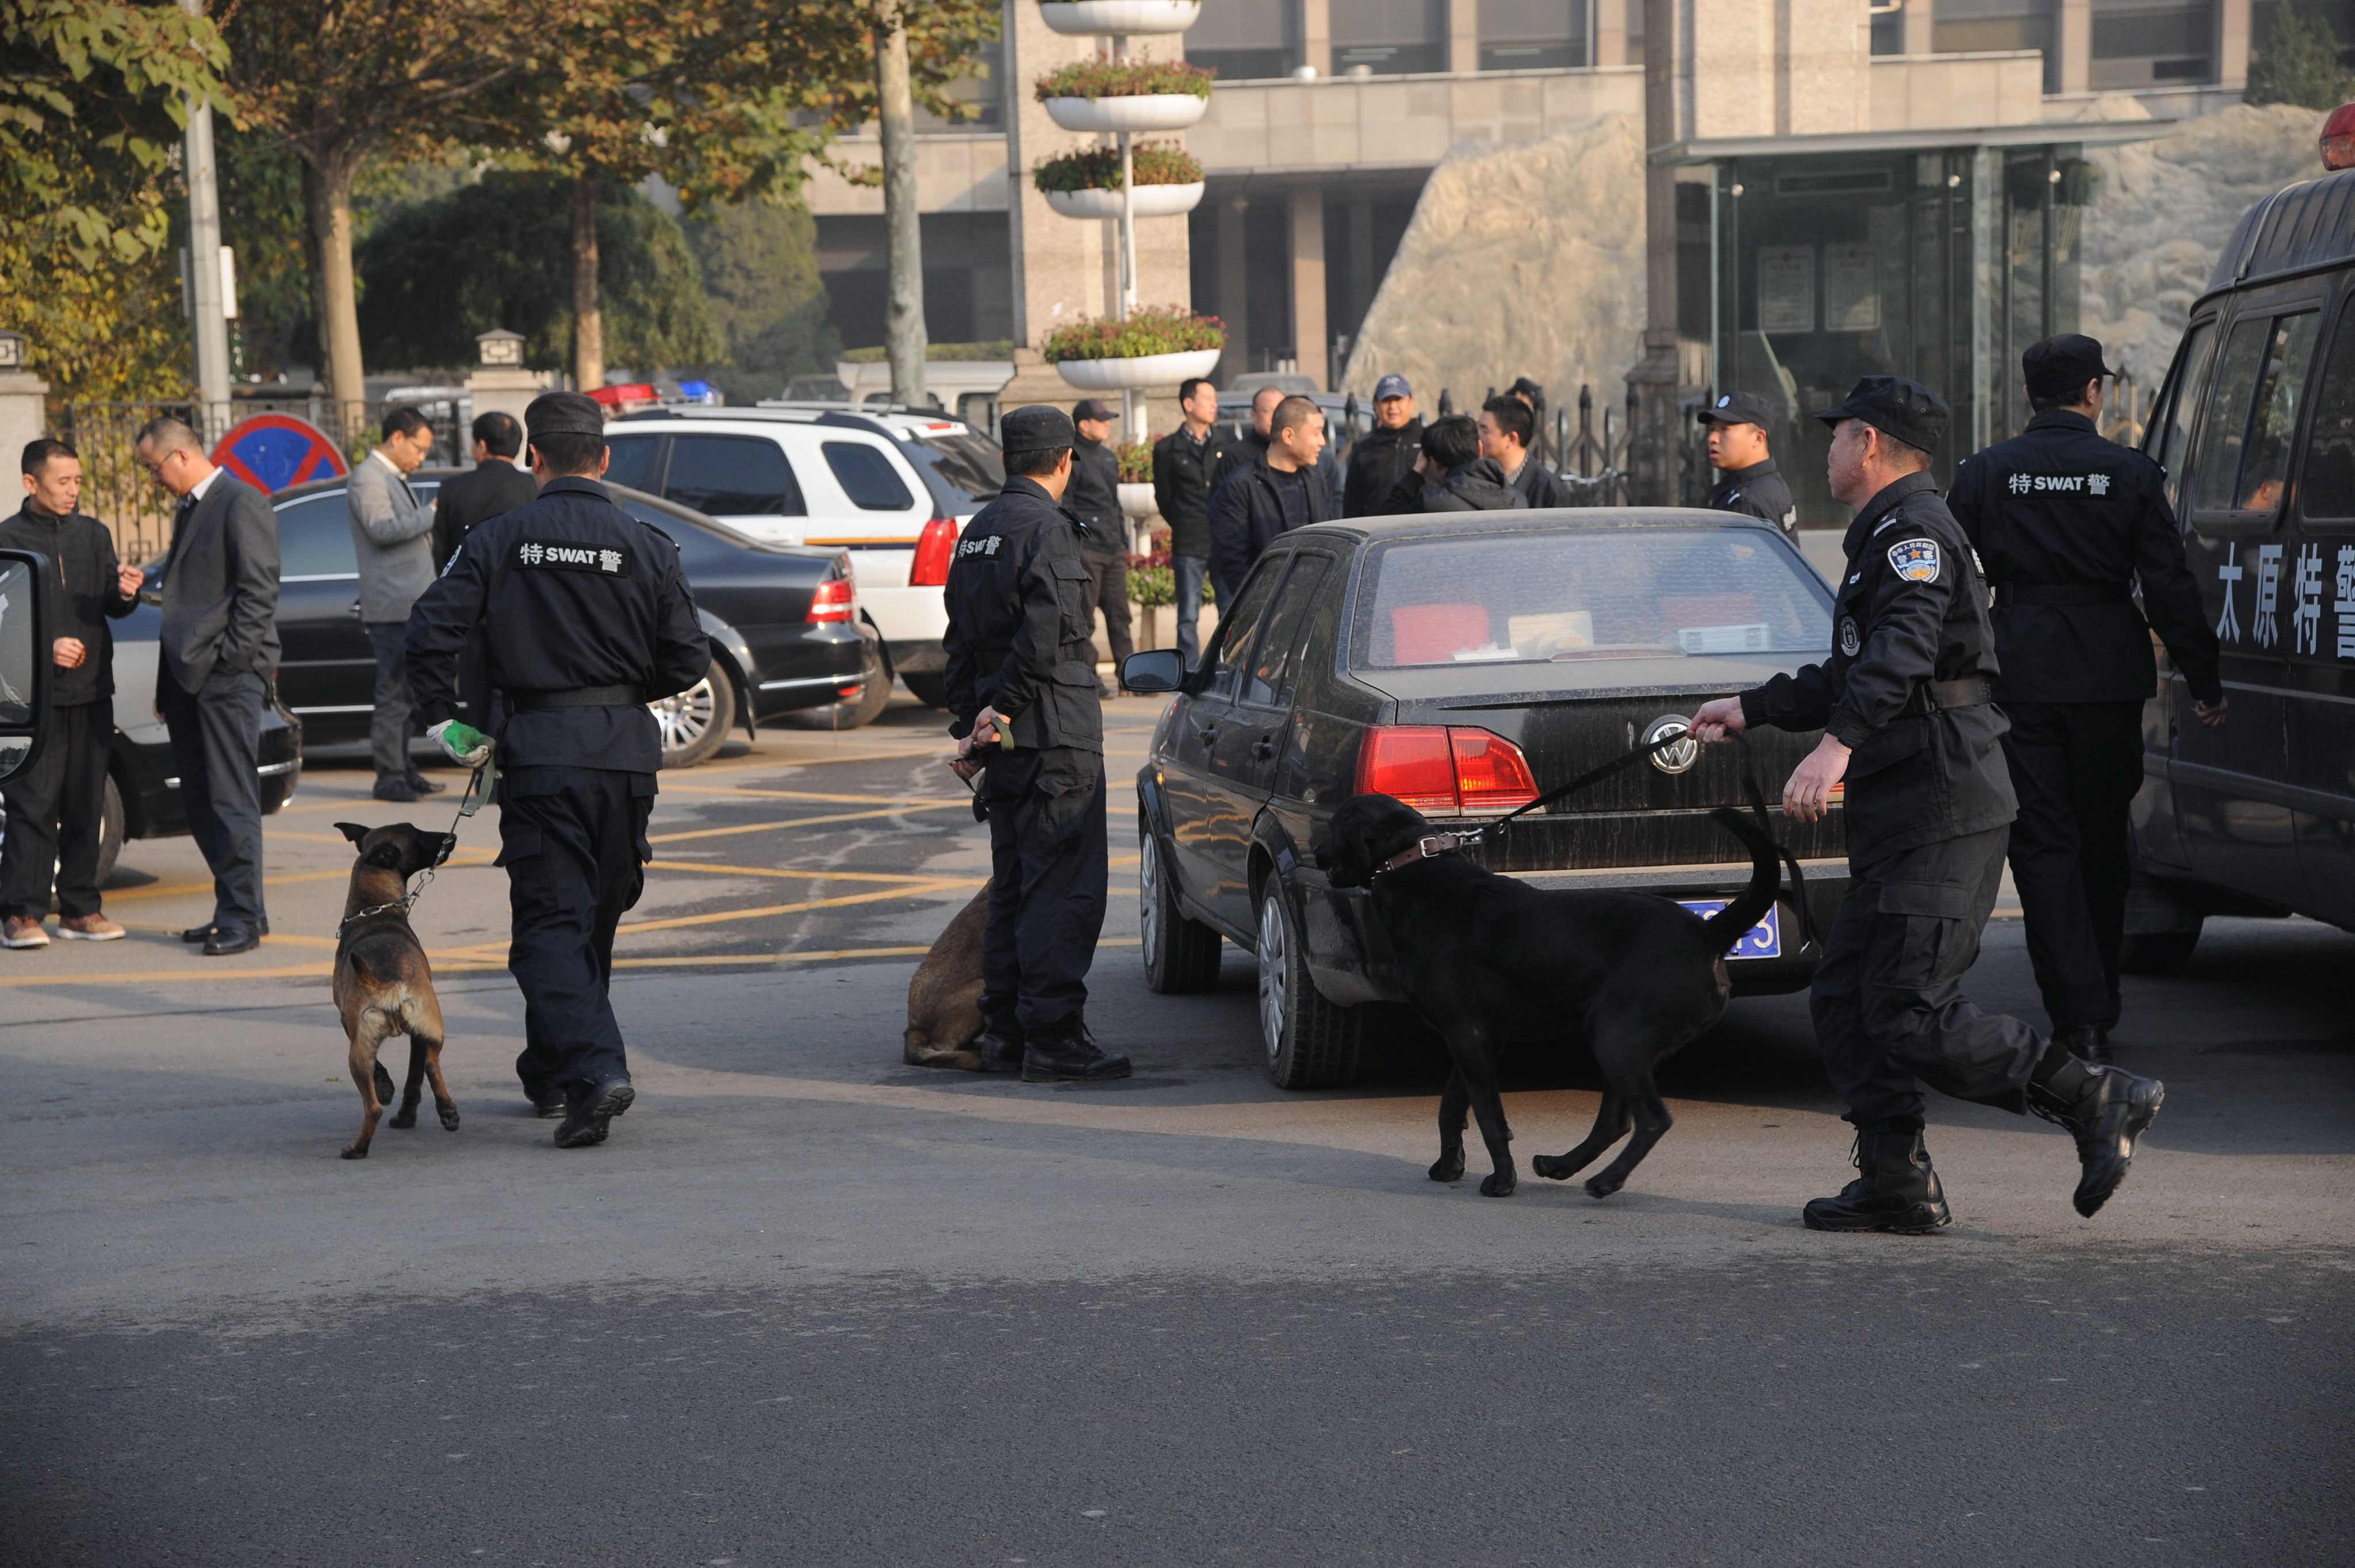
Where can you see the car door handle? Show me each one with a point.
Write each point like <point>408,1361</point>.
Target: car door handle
<point>1263,748</point>
<point>355,610</point>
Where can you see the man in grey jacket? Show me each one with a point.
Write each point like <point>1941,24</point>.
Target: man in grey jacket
<point>392,530</point>
<point>220,645</point>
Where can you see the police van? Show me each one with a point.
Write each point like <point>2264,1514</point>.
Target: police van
<point>2256,427</point>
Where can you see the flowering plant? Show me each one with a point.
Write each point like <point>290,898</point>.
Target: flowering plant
<point>1124,79</point>
<point>1163,330</point>
<point>1098,168</point>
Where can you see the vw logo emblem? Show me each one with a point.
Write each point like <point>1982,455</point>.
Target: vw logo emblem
<point>1677,758</point>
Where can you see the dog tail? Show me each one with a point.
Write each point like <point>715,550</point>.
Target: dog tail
<point>1727,925</point>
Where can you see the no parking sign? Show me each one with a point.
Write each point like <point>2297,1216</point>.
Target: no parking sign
<point>274,451</point>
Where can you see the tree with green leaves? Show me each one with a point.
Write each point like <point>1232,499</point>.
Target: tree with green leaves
<point>2298,62</point>
<point>759,260</point>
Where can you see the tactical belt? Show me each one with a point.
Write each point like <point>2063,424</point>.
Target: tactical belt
<point>1936,696</point>
<point>582,697</point>
<point>2009,593</point>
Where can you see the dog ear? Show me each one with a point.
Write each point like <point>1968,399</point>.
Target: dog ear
<point>352,830</point>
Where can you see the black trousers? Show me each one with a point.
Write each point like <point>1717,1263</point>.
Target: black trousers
<point>2076,767</point>
<point>1110,594</point>
<point>574,843</point>
<point>389,727</point>
<point>53,816</point>
<point>1047,868</point>
<point>1888,1001</point>
<point>216,747</point>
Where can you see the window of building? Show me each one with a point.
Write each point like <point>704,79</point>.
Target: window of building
<point>1527,35</point>
<point>1989,27</point>
<point>2139,44</point>
<point>1389,37</point>
<point>1246,40</point>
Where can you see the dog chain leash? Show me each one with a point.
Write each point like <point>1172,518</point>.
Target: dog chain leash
<point>477,791</point>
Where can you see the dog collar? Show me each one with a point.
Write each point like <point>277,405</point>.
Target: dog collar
<point>1424,849</point>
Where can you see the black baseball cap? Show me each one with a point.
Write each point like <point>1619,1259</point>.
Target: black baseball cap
<point>2055,366</point>
<point>1907,411</point>
<point>1739,408</point>
<point>1092,408</point>
<point>564,413</point>
<point>1037,427</point>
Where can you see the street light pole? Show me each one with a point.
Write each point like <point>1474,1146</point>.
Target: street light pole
<point>207,307</point>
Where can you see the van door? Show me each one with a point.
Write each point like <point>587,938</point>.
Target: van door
<point>2320,557</point>
<point>743,480</point>
<point>2157,831</point>
<point>2238,829</point>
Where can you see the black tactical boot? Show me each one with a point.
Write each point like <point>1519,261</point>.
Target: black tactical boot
<point>1896,1189</point>
<point>2086,1043</point>
<point>588,1117</point>
<point>999,1053</point>
<point>2105,1109</point>
<point>1069,1054</point>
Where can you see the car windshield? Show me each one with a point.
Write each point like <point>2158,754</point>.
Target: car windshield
<point>971,467</point>
<point>1610,593</point>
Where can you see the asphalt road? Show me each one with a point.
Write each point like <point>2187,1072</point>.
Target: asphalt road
<point>811,1307</point>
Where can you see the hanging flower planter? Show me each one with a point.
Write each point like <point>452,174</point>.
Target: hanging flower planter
<point>1096,96</point>
<point>1118,17</point>
<point>1151,348</point>
<point>1087,183</point>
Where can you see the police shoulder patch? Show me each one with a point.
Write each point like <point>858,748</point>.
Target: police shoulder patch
<point>1915,561</point>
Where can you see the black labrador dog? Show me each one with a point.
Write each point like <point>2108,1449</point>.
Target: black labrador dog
<point>1490,962</point>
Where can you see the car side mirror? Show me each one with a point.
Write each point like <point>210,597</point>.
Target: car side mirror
<point>1154,671</point>
<point>24,661</point>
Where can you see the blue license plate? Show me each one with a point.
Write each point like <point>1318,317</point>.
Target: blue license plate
<point>1763,940</point>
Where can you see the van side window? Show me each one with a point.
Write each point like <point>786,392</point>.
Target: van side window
<point>2325,485</point>
<point>2252,416</point>
<point>2173,438</point>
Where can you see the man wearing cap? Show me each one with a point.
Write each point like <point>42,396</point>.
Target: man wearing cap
<point>1747,480</point>
<point>1904,702</point>
<point>2066,523</point>
<point>1022,694</point>
<point>1386,453</point>
<point>1094,498</point>
<point>585,617</point>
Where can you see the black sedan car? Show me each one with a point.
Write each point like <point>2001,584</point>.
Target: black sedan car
<point>1463,666</point>
<point>783,621</point>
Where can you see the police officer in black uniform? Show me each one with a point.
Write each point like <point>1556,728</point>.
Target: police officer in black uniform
<point>2066,523</point>
<point>1747,480</point>
<point>1022,688</point>
<point>585,618</point>
<point>1905,704</point>
<point>1093,498</point>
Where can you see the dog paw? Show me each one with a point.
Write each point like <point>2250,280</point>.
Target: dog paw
<point>404,1118</point>
<point>1604,1186</point>
<point>448,1114</point>
<point>1550,1168</point>
<point>355,1152</point>
<point>1448,1166</point>
<point>1498,1186</point>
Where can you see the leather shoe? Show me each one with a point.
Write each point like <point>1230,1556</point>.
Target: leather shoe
<point>999,1052</point>
<point>224,942</point>
<point>395,789</point>
<point>587,1119</point>
<point>424,785</point>
<point>2109,1110</point>
<point>1071,1057</point>
<point>205,932</point>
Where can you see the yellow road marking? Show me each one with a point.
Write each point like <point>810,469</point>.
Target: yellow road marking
<point>793,822</point>
<point>790,871</point>
<point>720,917</point>
<point>732,790</point>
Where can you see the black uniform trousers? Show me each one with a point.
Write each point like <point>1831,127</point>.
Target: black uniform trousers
<point>1109,593</point>
<point>216,747</point>
<point>54,808</point>
<point>1047,868</point>
<point>1888,1001</point>
<point>2076,767</point>
<point>574,843</point>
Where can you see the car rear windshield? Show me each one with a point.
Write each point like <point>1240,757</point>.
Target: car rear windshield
<point>964,473</point>
<point>1592,594</point>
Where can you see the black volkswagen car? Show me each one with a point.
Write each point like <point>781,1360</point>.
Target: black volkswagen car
<point>1463,666</point>
<point>783,621</point>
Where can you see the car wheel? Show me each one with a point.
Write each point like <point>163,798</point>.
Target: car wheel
<point>929,687</point>
<point>873,697</point>
<point>2158,951</point>
<point>109,832</point>
<point>1311,1043</point>
<point>1181,954</point>
<point>696,721</point>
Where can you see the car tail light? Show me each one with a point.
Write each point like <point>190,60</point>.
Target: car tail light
<point>1444,770</point>
<point>832,601</point>
<point>2339,138</point>
<point>932,552</point>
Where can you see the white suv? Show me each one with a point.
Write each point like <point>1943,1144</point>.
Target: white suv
<point>893,489</point>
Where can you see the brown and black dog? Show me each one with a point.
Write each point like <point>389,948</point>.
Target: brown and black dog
<point>383,984</point>
<point>945,997</point>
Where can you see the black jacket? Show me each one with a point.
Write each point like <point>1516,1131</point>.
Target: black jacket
<point>1479,485</point>
<point>1538,484</point>
<point>2064,521</point>
<point>221,586</point>
<point>81,593</point>
<point>1183,472</point>
<point>490,488</point>
<point>1093,494</point>
<point>569,591</point>
<point>1757,491</point>
<point>1250,447</point>
<point>1022,624</point>
<point>1911,611</point>
<point>1253,507</point>
<point>1380,458</point>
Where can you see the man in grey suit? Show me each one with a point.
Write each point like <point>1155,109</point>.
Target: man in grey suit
<point>393,532</point>
<point>220,645</point>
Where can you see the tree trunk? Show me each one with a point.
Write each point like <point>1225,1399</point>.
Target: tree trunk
<point>588,314</point>
<point>327,192</point>
<point>903,308</point>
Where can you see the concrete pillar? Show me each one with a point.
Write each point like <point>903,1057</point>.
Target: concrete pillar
<point>1920,19</point>
<point>1234,287</point>
<point>2232,43</point>
<point>1464,35</point>
<point>1310,343</point>
<point>1362,281</point>
<point>505,391</point>
<point>2072,71</point>
<point>1316,36</point>
<point>23,411</point>
<point>1654,445</point>
<point>1609,28</point>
